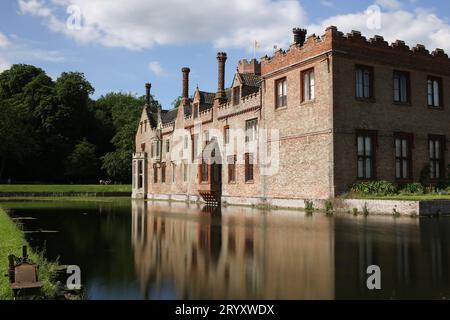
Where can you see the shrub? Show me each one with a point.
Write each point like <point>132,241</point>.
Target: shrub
<point>413,188</point>
<point>329,207</point>
<point>355,211</point>
<point>365,210</point>
<point>425,174</point>
<point>309,207</point>
<point>374,188</point>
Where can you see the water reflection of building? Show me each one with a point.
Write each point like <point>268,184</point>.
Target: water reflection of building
<point>237,253</point>
<point>411,253</point>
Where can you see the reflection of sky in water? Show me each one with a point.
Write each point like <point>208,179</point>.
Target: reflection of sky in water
<point>163,251</point>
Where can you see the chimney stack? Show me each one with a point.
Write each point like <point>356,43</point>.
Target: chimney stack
<point>185,94</point>
<point>299,36</point>
<point>221,58</point>
<point>147,94</point>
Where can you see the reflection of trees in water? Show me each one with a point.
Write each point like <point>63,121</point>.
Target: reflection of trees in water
<point>231,254</point>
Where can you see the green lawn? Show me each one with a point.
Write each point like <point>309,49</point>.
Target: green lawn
<point>64,188</point>
<point>11,242</point>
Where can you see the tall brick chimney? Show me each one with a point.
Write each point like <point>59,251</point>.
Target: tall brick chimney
<point>221,58</point>
<point>147,94</point>
<point>299,36</point>
<point>185,93</point>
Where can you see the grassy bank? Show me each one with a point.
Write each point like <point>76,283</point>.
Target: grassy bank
<point>401,197</point>
<point>64,188</point>
<point>11,242</point>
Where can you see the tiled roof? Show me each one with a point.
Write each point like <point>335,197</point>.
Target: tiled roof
<point>207,97</point>
<point>152,118</point>
<point>250,79</point>
<point>228,93</point>
<point>169,115</point>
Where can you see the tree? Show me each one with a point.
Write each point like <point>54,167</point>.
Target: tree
<point>125,111</point>
<point>16,140</point>
<point>176,103</point>
<point>73,91</point>
<point>82,163</point>
<point>42,122</point>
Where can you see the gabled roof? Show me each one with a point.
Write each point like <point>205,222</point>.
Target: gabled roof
<point>152,117</point>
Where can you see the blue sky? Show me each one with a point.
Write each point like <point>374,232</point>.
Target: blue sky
<point>120,45</point>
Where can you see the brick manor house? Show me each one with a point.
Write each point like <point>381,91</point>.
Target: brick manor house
<point>346,108</point>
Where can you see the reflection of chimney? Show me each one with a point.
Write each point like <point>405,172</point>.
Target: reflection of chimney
<point>185,94</point>
<point>221,58</point>
<point>147,94</point>
<point>299,36</point>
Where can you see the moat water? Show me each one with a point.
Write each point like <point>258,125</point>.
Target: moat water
<point>143,250</point>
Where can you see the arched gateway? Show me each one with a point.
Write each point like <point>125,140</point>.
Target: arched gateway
<point>210,173</point>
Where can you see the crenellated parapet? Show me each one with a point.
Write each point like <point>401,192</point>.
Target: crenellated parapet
<point>247,103</point>
<point>357,46</point>
<point>298,52</point>
<point>377,49</point>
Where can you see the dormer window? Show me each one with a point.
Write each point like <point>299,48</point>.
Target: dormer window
<point>236,95</point>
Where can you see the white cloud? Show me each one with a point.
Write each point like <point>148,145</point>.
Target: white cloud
<point>4,42</point>
<point>420,26</point>
<point>156,68</point>
<point>389,4</point>
<point>4,64</point>
<point>327,3</point>
<point>19,50</point>
<point>138,24</point>
<point>34,7</point>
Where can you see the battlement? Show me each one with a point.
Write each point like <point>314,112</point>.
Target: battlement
<point>313,46</point>
<point>252,66</point>
<point>356,45</point>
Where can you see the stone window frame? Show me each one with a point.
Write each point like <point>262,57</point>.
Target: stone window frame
<point>155,173</point>
<point>283,97</point>
<point>373,135</point>
<point>409,139</point>
<point>185,172</point>
<point>434,138</point>
<point>226,134</point>
<point>371,69</point>
<point>194,146</point>
<point>236,95</point>
<point>440,82</point>
<point>302,85</point>
<point>247,128</point>
<point>174,172</point>
<point>249,167</point>
<point>231,168</point>
<point>163,172</point>
<point>407,75</point>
